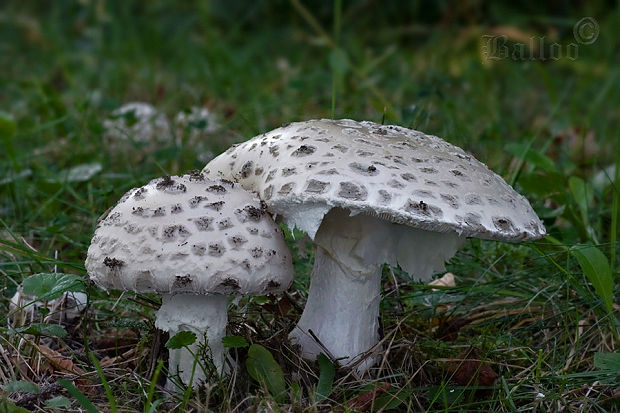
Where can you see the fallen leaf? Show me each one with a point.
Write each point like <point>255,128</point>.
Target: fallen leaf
<point>468,369</point>
<point>57,362</point>
<point>126,357</point>
<point>446,281</point>
<point>363,401</point>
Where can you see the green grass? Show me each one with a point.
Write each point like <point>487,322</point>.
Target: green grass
<point>530,311</point>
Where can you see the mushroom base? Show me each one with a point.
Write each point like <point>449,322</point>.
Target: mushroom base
<point>204,315</point>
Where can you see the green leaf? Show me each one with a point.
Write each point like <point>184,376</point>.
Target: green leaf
<point>234,342</point>
<point>542,183</point>
<point>52,285</point>
<point>181,339</point>
<point>44,311</point>
<point>596,268</point>
<point>78,395</point>
<point>523,151</point>
<point>58,402</point>
<point>607,361</point>
<point>42,329</point>
<point>263,368</point>
<point>21,385</point>
<point>326,378</point>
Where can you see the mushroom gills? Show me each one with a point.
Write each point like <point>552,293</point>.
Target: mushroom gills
<point>360,241</point>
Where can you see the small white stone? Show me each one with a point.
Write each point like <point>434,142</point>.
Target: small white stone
<point>138,121</point>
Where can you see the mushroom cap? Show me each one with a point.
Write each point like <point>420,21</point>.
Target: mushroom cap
<point>304,169</point>
<point>148,124</point>
<point>189,234</point>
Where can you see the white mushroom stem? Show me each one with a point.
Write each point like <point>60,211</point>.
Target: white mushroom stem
<point>206,316</point>
<point>342,310</point>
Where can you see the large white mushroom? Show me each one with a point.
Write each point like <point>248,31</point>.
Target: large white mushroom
<point>194,241</point>
<point>369,194</point>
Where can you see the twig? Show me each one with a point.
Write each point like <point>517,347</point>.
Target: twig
<point>325,350</point>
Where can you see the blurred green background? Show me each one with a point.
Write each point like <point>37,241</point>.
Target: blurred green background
<point>259,64</point>
<point>66,65</point>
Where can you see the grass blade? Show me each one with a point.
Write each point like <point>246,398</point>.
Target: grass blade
<point>78,395</point>
<point>105,383</point>
<point>148,404</point>
<point>607,361</point>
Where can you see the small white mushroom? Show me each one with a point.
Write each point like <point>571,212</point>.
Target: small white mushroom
<point>138,122</point>
<point>193,240</point>
<point>369,194</point>
<point>25,309</point>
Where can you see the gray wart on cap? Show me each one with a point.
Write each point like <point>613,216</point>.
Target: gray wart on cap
<point>193,240</point>
<point>306,168</point>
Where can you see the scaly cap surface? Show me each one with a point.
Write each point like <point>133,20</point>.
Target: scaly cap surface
<point>190,234</point>
<point>304,169</point>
